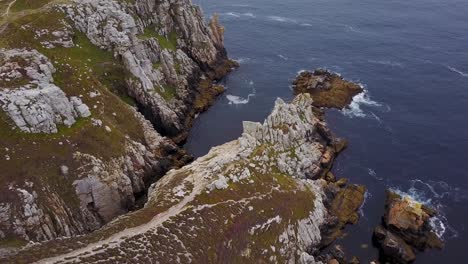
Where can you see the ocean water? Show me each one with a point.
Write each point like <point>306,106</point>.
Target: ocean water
<point>408,132</point>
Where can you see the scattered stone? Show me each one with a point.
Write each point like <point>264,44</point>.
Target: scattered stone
<point>64,170</point>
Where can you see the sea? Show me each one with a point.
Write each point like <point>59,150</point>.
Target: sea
<point>407,132</point>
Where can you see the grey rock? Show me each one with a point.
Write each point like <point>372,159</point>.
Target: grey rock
<point>38,106</point>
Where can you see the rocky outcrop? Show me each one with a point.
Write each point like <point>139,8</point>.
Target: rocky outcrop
<point>327,89</point>
<point>105,190</point>
<point>29,97</point>
<point>258,198</point>
<point>172,55</point>
<point>89,165</point>
<point>405,228</point>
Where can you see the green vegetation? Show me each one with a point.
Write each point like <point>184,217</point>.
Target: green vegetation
<point>21,5</point>
<point>169,42</point>
<point>82,69</point>
<point>167,92</point>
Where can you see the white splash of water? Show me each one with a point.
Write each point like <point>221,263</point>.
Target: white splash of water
<point>354,109</point>
<point>237,100</point>
<point>464,74</point>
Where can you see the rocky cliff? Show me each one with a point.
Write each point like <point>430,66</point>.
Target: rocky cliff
<point>260,198</point>
<point>94,96</point>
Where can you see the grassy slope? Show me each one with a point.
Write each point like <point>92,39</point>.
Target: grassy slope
<point>225,220</point>
<point>80,70</point>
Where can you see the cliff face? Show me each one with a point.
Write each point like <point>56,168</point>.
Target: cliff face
<point>166,47</point>
<point>249,200</point>
<point>74,77</point>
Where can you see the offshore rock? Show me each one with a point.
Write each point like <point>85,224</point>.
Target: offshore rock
<point>405,228</point>
<point>326,88</point>
<point>249,200</point>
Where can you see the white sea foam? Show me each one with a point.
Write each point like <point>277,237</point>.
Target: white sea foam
<point>306,25</point>
<point>367,195</point>
<point>362,99</point>
<point>376,117</point>
<point>239,15</point>
<point>243,60</point>
<point>282,19</point>
<point>438,226</point>
<point>464,74</point>
<point>373,174</point>
<point>233,14</point>
<point>387,63</point>
<point>433,193</point>
<point>237,100</point>
<point>234,99</point>
<point>283,57</point>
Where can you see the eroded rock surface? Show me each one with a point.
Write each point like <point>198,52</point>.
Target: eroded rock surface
<point>171,54</point>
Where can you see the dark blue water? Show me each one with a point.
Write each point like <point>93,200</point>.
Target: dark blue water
<point>411,132</point>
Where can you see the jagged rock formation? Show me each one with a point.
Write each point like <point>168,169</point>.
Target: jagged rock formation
<point>29,97</point>
<point>167,49</point>
<point>74,74</point>
<point>405,228</point>
<point>259,198</point>
<point>326,88</point>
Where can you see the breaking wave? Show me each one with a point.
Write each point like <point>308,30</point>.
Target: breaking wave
<point>453,69</point>
<point>363,99</point>
<point>237,100</point>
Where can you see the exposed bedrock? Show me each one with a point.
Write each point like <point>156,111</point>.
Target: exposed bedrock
<point>94,156</point>
<point>172,55</point>
<point>260,198</point>
<point>405,229</point>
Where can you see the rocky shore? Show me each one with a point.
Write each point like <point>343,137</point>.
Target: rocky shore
<point>263,197</point>
<point>95,97</point>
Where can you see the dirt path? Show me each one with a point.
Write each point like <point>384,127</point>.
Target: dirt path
<point>7,12</point>
<point>158,220</point>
